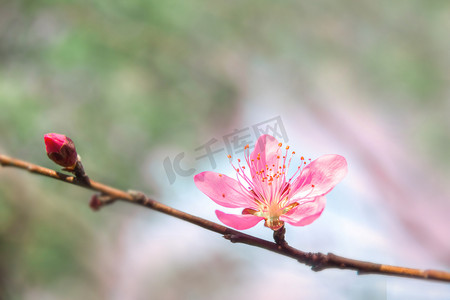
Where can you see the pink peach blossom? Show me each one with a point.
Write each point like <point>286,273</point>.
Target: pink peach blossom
<point>266,193</point>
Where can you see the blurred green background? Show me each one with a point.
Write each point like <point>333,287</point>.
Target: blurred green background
<point>125,78</point>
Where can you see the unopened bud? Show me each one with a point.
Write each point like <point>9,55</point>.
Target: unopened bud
<point>61,150</point>
<point>95,203</point>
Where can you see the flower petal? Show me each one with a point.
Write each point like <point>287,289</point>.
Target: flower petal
<point>319,177</point>
<point>238,222</point>
<point>266,152</point>
<point>305,213</point>
<point>223,190</point>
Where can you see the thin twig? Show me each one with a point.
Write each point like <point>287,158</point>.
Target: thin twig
<point>317,261</point>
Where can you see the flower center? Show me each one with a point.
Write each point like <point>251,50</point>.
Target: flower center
<point>271,213</point>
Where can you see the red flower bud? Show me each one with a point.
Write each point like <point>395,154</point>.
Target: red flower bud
<point>61,150</point>
<point>95,203</point>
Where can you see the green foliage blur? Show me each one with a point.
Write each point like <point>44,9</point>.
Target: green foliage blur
<point>123,77</point>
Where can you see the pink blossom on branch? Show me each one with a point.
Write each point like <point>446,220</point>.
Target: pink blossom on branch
<point>267,193</point>
<point>61,150</point>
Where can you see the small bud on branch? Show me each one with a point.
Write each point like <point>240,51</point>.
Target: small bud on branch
<point>61,150</point>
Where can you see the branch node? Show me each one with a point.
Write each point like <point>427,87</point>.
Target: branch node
<point>138,197</point>
<point>317,261</point>
<point>231,237</point>
<point>80,174</point>
<point>278,236</point>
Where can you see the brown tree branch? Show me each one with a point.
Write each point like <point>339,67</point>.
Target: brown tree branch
<point>317,261</point>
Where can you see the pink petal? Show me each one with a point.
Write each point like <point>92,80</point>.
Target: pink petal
<point>239,222</point>
<point>305,213</point>
<point>54,141</point>
<point>268,150</point>
<point>324,173</point>
<point>223,190</point>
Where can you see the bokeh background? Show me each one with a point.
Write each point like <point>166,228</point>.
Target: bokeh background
<point>135,83</point>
